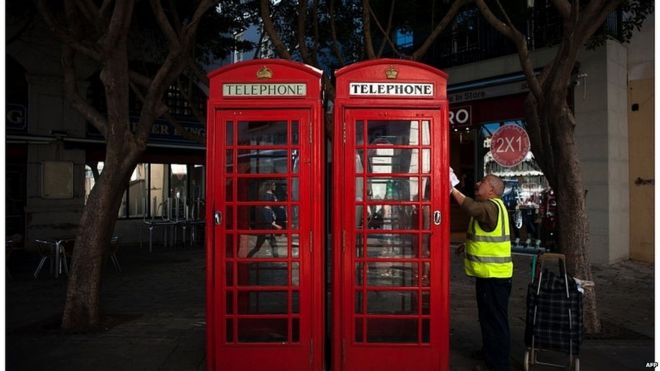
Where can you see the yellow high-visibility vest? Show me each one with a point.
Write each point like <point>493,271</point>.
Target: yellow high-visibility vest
<point>488,254</point>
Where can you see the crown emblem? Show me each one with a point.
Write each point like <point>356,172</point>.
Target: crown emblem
<point>264,73</point>
<point>391,73</point>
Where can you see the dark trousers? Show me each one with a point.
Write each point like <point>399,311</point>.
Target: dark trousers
<point>493,302</point>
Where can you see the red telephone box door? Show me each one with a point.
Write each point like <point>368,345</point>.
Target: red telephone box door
<point>392,306</point>
<point>264,296</point>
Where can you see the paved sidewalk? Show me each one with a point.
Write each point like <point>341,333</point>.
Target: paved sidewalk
<point>156,308</point>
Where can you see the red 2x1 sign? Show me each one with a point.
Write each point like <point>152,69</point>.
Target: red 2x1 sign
<point>509,145</point>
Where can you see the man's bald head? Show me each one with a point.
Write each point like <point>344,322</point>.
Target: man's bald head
<point>496,183</point>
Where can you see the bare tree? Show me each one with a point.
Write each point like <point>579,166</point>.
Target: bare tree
<point>551,124</point>
<point>99,31</point>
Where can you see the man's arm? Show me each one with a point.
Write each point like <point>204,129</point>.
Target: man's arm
<point>484,212</point>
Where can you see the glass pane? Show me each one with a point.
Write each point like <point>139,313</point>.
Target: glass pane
<point>295,328</point>
<point>426,132</point>
<point>229,299</point>
<point>260,189</point>
<point>229,245</point>
<point>137,191</point>
<point>401,189</point>
<point>295,245</point>
<point>358,302</point>
<point>359,222</point>
<point>393,160</point>
<point>397,132</point>
<point>228,218</point>
<point>229,161</point>
<point>264,161</point>
<point>392,274</point>
<point>271,330</point>
<point>295,274</point>
<point>294,132</point>
<point>261,133</point>
<point>426,274</point>
<point>229,273</point>
<point>359,182</point>
<point>426,245</point>
<point>359,246</point>
<point>358,274</point>
<point>229,133</point>
<point>295,160</point>
<point>359,331</point>
<point>295,302</point>
<point>178,185</point>
<point>294,218</point>
<point>392,246</point>
<point>386,330</point>
<point>396,217</point>
<point>262,217</point>
<point>426,302</point>
<point>229,188</point>
<point>230,330</point>
<point>426,331</point>
<point>263,302</point>
<point>252,246</point>
<point>426,188</point>
<point>123,206</point>
<point>426,217</point>
<point>157,189</point>
<point>263,274</point>
<point>295,184</point>
<point>426,161</point>
<point>359,132</point>
<point>359,162</point>
<point>392,302</point>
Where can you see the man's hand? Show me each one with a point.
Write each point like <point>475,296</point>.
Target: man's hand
<point>460,249</point>
<point>453,180</point>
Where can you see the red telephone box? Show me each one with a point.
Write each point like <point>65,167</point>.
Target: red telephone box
<point>391,218</point>
<point>264,219</point>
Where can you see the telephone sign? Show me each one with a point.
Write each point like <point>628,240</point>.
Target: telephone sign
<point>509,145</point>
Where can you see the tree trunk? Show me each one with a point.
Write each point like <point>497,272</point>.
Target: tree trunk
<point>573,223</point>
<point>82,307</point>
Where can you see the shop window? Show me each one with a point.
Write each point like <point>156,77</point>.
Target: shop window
<point>158,190</point>
<point>137,191</point>
<point>197,191</point>
<point>91,174</point>
<point>178,191</point>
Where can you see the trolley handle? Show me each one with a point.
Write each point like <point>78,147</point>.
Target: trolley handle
<point>561,262</point>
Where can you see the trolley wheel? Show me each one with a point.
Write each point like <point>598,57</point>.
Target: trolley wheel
<point>526,360</point>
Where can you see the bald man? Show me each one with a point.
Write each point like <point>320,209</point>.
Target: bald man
<point>488,258</point>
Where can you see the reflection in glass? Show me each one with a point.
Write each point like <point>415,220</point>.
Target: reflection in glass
<point>426,189</point>
<point>295,245</point>
<point>426,302</point>
<point>294,132</point>
<point>295,302</point>
<point>396,216</point>
<point>396,132</point>
<point>358,245</point>
<point>426,245</point>
<point>359,132</point>
<point>358,274</point>
<point>263,274</point>
<point>386,330</point>
<point>229,298</point>
<point>392,246</point>
<point>401,189</point>
<point>426,274</point>
<point>255,330</point>
<point>229,133</point>
<point>393,160</point>
<point>392,274</point>
<point>252,245</point>
<point>359,222</point>
<point>263,302</point>
<point>229,245</point>
<point>426,217</point>
<point>359,164</point>
<point>260,133</point>
<point>264,161</point>
<point>294,218</point>
<point>230,274</point>
<point>295,274</point>
<point>392,302</point>
<point>426,161</point>
<point>260,189</point>
<point>359,331</point>
<point>358,302</point>
<point>426,132</point>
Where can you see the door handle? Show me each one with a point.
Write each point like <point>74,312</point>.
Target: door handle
<point>217,217</point>
<point>437,217</point>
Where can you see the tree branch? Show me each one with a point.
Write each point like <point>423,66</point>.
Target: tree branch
<point>302,38</point>
<point>386,35</point>
<point>444,22</point>
<point>366,21</point>
<point>563,7</point>
<point>119,23</point>
<point>315,17</point>
<point>164,24</point>
<point>333,32</point>
<point>73,94</point>
<point>521,45</point>
<point>64,35</point>
<point>389,27</point>
<point>264,10</point>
